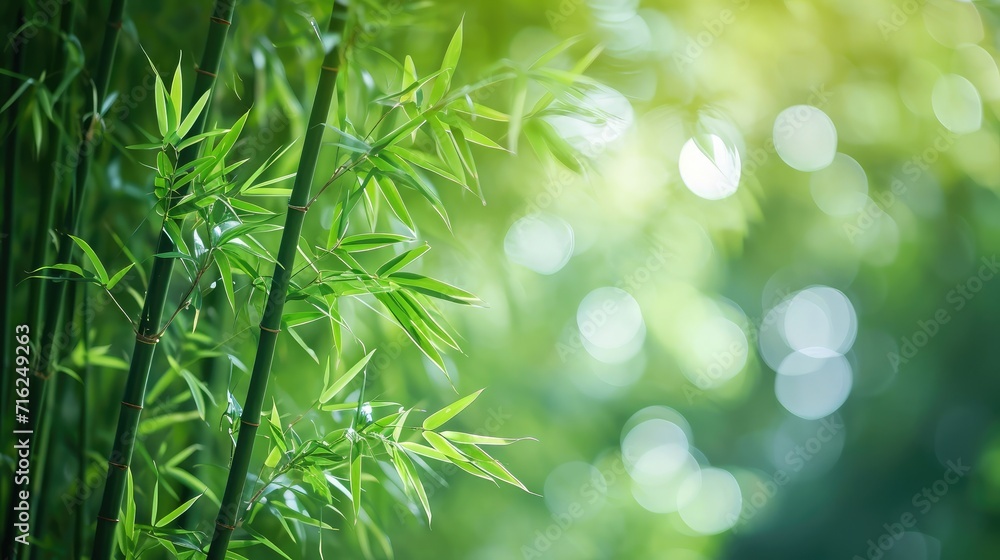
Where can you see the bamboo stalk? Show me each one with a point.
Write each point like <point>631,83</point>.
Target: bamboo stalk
<point>270,323</point>
<point>6,260</point>
<point>50,187</point>
<point>55,290</point>
<point>152,312</point>
<point>82,431</point>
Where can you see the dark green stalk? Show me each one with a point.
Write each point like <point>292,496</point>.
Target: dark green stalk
<point>52,337</point>
<point>55,440</point>
<point>6,261</point>
<point>149,329</point>
<point>55,291</point>
<point>232,500</point>
<point>50,186</point>
<point>51,177</point>
<point>82,430</point>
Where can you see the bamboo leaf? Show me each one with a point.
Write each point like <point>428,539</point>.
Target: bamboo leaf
<point>356,479</point>
<point>177,90</point>
<point>447,413</point>
<point>434,288</point>
<point>371,241</point>
<point>179,511</point>
<point>425,451</point>
<point>261,539</point>
<point>119,275</point>
<point>391,194</point>
<point>102,273</point>
<point>517,113</point>
<point>409,473</point>
<point>459,437</point>
<point>192,116</point>
<point>343,380</point>
<point>160,95</point>
<point>400,261</point>
<point>226,277</point>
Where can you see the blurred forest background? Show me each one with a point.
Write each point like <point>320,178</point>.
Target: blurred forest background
<point>755,323</point>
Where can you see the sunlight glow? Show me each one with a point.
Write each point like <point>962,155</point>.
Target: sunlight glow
<point>712,170</point>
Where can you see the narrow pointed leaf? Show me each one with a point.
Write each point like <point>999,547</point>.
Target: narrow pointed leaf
<point>447,413</point>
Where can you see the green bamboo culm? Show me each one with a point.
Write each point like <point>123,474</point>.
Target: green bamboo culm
<point>55,290</point>
<point>52,338</point>
<point>148,331</point>
<point>10,175</point>
<point>232,500</point>
<point>52,180</point>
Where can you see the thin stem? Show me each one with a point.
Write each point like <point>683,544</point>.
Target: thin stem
<point>186,300</point>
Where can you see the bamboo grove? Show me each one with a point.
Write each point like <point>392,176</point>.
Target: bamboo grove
<point>206,256</point>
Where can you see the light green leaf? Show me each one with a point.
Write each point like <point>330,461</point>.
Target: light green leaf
<point>409,474</point>
<point>399,261</point>
<point>425,451</point>
<point>193,114</point>
<point>459,437</point>
<point>102,273</point>
<point>177,512</point>
<point>177,89</point>
<point>371,241</point>
<point>447,413</point>
<point>343,380</point>
<point>356,479</point>
<point>160,95</point>
<point>434,288</point>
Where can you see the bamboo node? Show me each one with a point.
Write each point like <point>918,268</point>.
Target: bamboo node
<point>263,328</point>
<point>257,425</point>
<point>302,209</point>
<point>147,339</point>
<point>118,466</point>
<point>205,72</point>
<point>224,526</point>
<point>130,405</point>
<point>331,68</point>
<point>221,21</point>
<point>108,519</point>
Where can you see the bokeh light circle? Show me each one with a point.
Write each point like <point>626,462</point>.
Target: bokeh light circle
<point>712,501</point>
<point>805,138</point>
<point>813,387</point>
<point>841,189</point>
